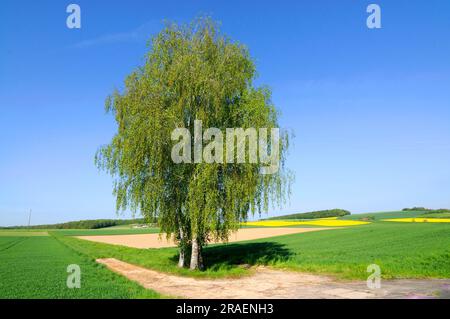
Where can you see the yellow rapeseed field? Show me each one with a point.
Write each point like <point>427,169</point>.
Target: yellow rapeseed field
<point>418,220</point>
<point>315,222</point>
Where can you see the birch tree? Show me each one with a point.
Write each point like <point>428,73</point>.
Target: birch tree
<point>191,73</point>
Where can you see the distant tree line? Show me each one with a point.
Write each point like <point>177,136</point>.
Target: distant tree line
<point>316,214</point>
<point>415,209</point>
<point>88,224</point>
<point>426,210</point>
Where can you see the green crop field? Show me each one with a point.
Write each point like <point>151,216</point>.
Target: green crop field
<point>33,264</point>
<point>436,215</point>
<point>403,250</point>
<point>384,215</point>
<point>36,267</point>
<point>105,231</point>
<point>119,230</point>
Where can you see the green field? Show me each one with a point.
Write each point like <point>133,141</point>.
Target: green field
<point>384,215</point>
<point>105,231</point>
<point>20,233</point>
<point>406,250</point>
<point>115,230</point>
<point>34,266</point>
<point>436,215</point>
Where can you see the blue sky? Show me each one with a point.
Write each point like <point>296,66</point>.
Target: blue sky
<point>370,108</point>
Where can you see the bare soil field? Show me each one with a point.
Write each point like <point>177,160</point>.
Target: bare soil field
<point>157,241</point>
<point>268,283</point>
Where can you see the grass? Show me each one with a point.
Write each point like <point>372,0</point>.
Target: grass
<point>5,231</point>
<point>20,233</point>
<point>163,259</point>
<point>78,232</point>
<point>36,267</point>
<point>383,215</point>
<point>313,222</point>
<point>436,215</point>
<point>401,250</point>
<point>418,220</point>
<point>105,231</point>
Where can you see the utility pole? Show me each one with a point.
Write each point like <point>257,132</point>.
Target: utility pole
<point>29,219</point>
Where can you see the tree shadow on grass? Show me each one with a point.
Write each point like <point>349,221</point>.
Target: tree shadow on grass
<point>231,255</point>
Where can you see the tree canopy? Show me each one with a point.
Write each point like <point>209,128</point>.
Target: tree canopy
<point>191,73</point>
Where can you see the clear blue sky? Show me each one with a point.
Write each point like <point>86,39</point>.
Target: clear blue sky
<point>370,108</point>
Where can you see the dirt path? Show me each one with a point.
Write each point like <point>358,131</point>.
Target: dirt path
<point>270,283</point>
<point>154,240</point>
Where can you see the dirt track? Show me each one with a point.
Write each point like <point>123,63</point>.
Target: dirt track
<point>268,283</point>
<point>155,241</point>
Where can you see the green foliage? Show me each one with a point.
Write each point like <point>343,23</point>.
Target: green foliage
<point>192,72</point>
<point>316,214</point>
